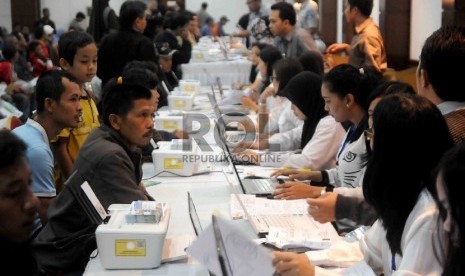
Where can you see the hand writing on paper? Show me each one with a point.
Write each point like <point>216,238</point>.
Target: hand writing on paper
<point>296,190</point>
<point>289,263</point>
<point>323,208</point>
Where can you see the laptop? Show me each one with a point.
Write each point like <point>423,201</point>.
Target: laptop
<point>230,136</point>
<point>219,130</point>
<point>231,109</point>
<point>320,236</point>
<point>220,87</point>
<point>174,248</point>
<point>225,264</point>
<point>194,216</point>
<point>258,186</point>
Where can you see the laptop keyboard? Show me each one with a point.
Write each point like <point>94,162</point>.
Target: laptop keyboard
<point>261,186</point>
<point>235,136</point>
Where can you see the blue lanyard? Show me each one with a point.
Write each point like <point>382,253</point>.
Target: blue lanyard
<point>393,263</point>
<point>350,133</point>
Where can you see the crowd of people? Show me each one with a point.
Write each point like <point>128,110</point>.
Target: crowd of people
<point>372,152</point>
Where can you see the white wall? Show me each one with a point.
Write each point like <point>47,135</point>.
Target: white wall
<point>426,18</point>
<point>233,9</point>
<point>5,15</point>
<point>62,12</point>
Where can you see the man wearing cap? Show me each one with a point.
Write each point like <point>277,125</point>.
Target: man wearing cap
<point>45,36</point>
<point>165,61</point>
<point>176,35</point>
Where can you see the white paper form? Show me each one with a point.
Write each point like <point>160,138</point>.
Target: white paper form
<point>360,268</point>
<point>257,171</point>
<point>286,238</point>
<point>263,206</point>
<point>245,257</point>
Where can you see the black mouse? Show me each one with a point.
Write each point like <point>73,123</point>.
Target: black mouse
<point>253,177</point>
<point>235,113</point>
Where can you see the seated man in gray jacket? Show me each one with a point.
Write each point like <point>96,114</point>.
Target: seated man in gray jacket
<point>110,162</point>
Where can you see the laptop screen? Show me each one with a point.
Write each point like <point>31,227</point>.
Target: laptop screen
<point>225,265</point>
<point>220,86</point>
<point>214,103</point>
<point>193,215</point>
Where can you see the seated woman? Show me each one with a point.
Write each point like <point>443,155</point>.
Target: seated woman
<point>407,211</point>
<point>333,206</point>
<point>275,114</point>
<point>255,77</point>
<point>310,61</point>
<point>321,135</point>
<point>345,90</point>
<point>451,172</point>
<point>266,60</point>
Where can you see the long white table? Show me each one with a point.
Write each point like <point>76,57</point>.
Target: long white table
<point>211,193</point>
<point>229,71</point>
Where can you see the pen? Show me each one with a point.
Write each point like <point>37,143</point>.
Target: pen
<point>154,144</point>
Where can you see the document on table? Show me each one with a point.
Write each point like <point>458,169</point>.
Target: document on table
<point>263,206</point>
<point>245,256</point>
<point>360,268</point>
<point>257,171</point>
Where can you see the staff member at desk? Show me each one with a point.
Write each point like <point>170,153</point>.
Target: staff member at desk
<point>111,163</point>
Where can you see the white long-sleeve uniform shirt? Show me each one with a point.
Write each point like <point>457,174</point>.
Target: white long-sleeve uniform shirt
<point>319,153</point>
<point>419,243</point>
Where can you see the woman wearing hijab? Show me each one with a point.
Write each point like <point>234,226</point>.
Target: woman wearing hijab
<point>321,134</point>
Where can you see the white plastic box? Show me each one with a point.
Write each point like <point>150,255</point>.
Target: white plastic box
<point>189,86</point>
<point>168,122</point>
<point>179,157</point>
<point>124,245</point>
<point>182,101</point>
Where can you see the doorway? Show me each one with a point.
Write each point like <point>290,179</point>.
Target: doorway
<point>25,12</point>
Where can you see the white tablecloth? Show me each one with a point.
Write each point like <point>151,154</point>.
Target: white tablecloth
<point>229,71</point>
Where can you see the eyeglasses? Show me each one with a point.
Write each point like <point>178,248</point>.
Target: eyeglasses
<point>369,133</point>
